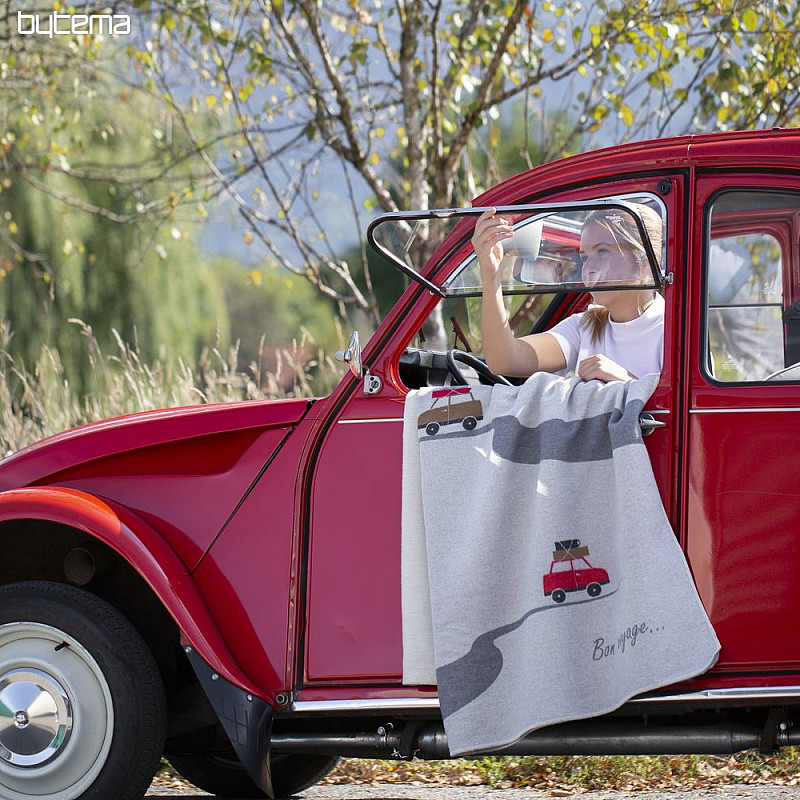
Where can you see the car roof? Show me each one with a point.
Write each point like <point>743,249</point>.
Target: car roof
<point>777,148</point>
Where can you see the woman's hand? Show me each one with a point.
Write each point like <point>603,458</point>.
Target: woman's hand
<point>602,368</point>
<point>490,231</point>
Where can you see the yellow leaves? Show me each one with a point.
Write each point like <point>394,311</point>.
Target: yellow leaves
<point>12,227</point>
<point>626,114</point>
<point>547,36</point>
<point>750,19</point>
<point>374,159</point>
<point>248,237</point>
<point>254,277</point>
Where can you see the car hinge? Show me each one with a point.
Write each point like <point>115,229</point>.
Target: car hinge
<point>247,721</point>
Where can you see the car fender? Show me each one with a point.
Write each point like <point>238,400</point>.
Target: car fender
<point>145,550</point>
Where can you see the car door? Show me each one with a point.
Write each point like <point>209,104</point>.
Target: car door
<point>743,409</point>
<point>352,612</point>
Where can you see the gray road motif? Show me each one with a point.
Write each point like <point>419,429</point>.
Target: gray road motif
<point>577,441</point>
<point>463,680</point>
<point>388,791</point>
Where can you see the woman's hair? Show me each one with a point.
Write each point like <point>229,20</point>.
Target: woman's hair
<point>624,231</point>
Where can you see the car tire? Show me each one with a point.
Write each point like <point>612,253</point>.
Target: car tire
<point>559,596</point>
<point>224,776</point>
<point>469,423</point>
<point>432,428</point>
<point>84,685</point>
<point>594,589</point>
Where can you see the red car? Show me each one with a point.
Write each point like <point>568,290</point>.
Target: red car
<point>570,571</point>
<point>221,584</point>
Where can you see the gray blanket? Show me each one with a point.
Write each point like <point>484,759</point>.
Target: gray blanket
<point>541,579</point>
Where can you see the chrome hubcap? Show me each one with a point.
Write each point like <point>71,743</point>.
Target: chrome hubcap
<point>35,717</point>
<point>56,714</point>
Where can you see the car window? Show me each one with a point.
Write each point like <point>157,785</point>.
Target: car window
<point>748,317</point>
<point>456,321</point>
<point>542,257</point>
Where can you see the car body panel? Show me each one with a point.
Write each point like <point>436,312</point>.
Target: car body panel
<point>144,549</point>
<point>182,470</point>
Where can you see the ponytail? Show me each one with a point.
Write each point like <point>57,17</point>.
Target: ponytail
<point>595,319</point>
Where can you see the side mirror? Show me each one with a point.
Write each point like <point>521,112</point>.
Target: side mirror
<point>352,356</point>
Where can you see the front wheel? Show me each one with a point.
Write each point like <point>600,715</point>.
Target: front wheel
<point>224,776</point>
<point>82,704</point>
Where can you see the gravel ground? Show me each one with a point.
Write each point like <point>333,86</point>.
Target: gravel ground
<point>389,791</point>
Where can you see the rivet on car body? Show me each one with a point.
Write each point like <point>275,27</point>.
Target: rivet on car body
<point>215,677</point>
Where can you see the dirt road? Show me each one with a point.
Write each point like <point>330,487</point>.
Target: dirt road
<point>388,791</point>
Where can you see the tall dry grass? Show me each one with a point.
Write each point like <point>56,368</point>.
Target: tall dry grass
<point>40,400</point>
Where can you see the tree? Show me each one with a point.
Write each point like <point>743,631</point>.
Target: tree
<point>300,86</point>
<point>301,112</point>
<point>68,245</point>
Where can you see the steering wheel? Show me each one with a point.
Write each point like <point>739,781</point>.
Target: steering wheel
<point>479,366</point>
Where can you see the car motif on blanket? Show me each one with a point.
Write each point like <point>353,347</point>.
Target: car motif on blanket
<point>447,409</point>
<point>570,571</point>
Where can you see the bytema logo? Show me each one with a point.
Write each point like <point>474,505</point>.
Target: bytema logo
<point>56,24</point>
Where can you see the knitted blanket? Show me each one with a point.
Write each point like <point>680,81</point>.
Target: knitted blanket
<point>538,563</point>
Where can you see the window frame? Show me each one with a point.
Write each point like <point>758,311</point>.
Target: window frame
<point>455,241</point>
<point>790,276</point>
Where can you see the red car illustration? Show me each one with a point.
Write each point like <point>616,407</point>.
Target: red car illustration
<point>570,571</point>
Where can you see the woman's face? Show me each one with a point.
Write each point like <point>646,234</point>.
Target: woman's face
<point>604,259</point>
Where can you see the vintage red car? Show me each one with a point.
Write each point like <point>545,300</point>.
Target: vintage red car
<point>570,571</point>
<point>221,584</point>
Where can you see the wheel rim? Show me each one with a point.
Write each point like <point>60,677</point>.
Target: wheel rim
<point>56,714</point>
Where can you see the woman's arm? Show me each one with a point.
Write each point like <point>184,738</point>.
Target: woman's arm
<point>505,354</point>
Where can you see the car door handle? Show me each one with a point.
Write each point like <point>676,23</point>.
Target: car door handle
<point>649,423</point>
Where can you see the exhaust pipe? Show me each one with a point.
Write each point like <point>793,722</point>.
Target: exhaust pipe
<point>567,739</point>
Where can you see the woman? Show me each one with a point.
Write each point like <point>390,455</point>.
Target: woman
<point>619,338</point>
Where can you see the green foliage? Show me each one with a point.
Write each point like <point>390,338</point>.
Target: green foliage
<point>74,242</point>
<point>275,306</point>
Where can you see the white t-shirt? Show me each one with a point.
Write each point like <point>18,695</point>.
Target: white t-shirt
<point>637,345</point>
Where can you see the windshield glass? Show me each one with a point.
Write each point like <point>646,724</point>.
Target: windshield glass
<point>554,249</point>
<point>457,323</point>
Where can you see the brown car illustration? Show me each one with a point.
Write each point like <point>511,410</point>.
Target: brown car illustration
<point>448,409</point>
